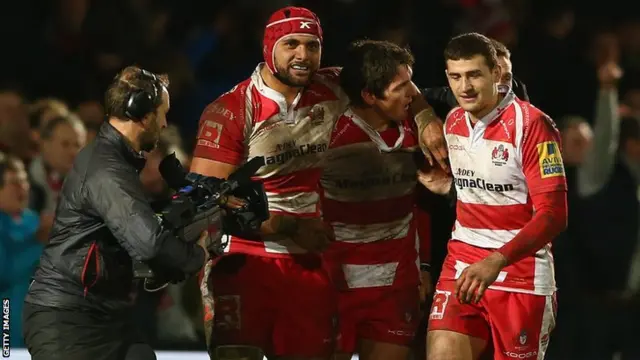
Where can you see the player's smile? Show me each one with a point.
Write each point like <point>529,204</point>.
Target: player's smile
<point>469,98</point>
<point>300,70</point>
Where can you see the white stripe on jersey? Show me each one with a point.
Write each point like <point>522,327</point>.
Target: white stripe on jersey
<point>294,203</point>
<point>372,232</point>
<point>484,238</point>
<point>347,160</point>
<point>366,276</point>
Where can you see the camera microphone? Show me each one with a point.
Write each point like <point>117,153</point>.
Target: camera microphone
<point>243,175</point>
<point>173,173</point>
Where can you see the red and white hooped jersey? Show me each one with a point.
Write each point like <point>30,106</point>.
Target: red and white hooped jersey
<point>507,156</point>
<point>368,196</point>
<point>254,120</point>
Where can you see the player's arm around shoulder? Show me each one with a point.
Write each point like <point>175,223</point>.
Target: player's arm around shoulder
<point>434,178</point>
<point>430,131</point>
<point>330,77</point>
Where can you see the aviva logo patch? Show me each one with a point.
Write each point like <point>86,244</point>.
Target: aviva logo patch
<point>550,160</point>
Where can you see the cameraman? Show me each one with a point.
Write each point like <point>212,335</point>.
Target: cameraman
<point>80,301</point>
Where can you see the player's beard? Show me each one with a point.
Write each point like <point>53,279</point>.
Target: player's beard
<point>150,136</point>
<point>284,75</point>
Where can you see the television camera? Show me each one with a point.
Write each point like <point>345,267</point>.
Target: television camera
<point>197,205</point>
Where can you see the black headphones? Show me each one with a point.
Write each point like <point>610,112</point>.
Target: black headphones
<point>140,102</point>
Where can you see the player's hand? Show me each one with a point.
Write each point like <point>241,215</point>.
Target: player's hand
<point>202,242</point>
<point>435,180</point>
<point>312,234</point>
<point>476,278</point>
<point>609,74</point>
<point>434,145</point>
<point>432,139</point>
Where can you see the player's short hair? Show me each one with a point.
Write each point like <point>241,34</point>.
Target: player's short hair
<point>466,46</point>
<point>501,49</point>
<point>124,83</point>
<point>371,65</point>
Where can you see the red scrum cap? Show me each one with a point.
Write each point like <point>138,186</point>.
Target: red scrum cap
<point>287,21</point>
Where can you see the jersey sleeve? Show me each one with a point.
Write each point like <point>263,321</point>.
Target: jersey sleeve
<point>541,156</point>
<point>221,130</point>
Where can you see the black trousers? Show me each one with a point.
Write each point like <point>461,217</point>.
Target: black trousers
<point>59,334</point>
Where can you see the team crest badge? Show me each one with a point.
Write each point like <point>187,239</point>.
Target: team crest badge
<point>499,155</point>
<point>408,316</point>
<point>521,341</point>
<point>522,338</point>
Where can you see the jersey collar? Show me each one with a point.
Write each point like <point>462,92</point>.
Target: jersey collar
<point>509,97</point>
<point>374,135</point>
<point>273,95</point>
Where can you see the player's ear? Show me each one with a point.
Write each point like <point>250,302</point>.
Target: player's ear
<point>446,74</point>
<point>368,97</point>
<point>146,120</point>
<point>496,73</point>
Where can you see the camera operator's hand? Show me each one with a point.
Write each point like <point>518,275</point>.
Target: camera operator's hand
<point>311,234</point>
<point>202,242</point>
<point>232,202</point>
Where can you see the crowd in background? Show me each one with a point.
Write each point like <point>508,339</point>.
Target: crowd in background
<point>580,63</point>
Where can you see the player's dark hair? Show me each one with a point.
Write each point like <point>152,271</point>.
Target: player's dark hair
<point>371,65</point>
<point>127,81</point>
<point>501,49</point>
<point>466,46</point>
